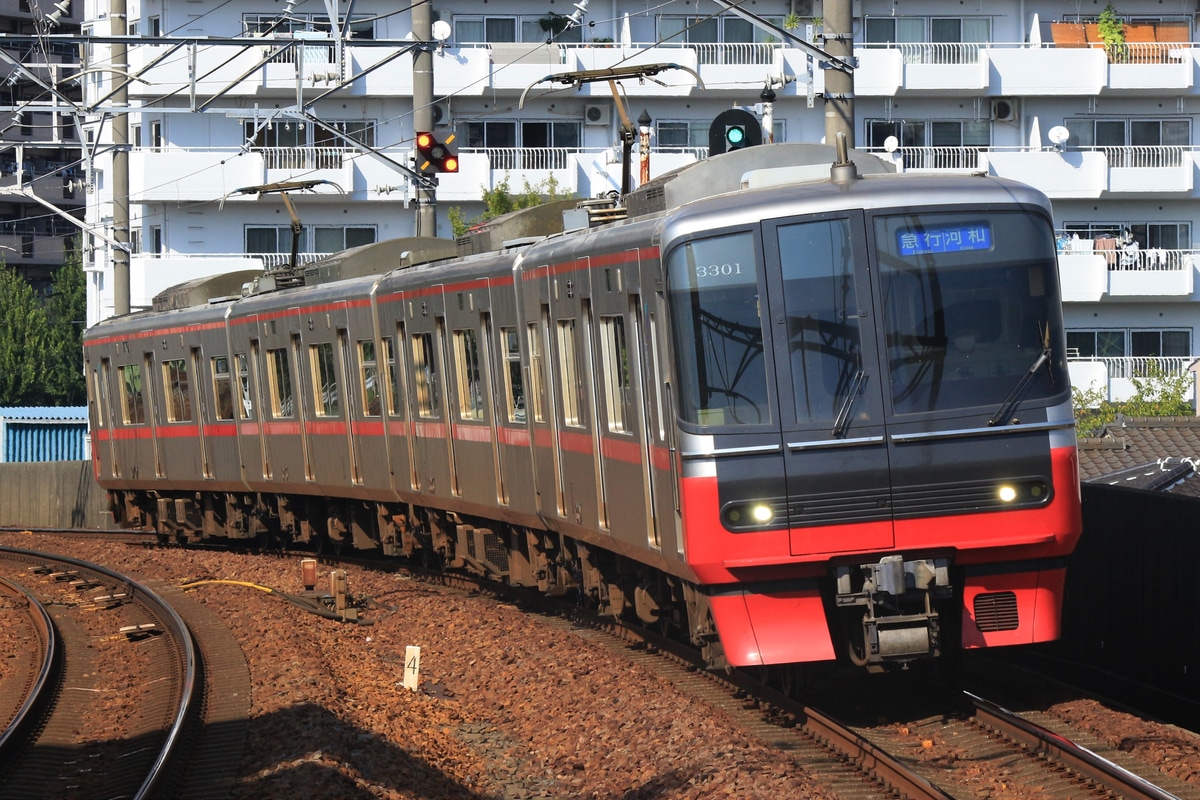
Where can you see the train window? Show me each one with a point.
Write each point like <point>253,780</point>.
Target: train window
<point>178,390</point>
<point>968,308</point>
<point>514,387</point>
<point>324,379</point>
<point>222,387</point>
<point>369,377</point>
<point>393,395</point>
<point>425,375</point>
<point>133,404</point>
<point>537,376</point>
<point>246,406</point>
<point>821,310</point>
<point>466,367</point>
<point>717,330</point>
<point>280,377</point>
<point>615,361</point>
<point>568,371</point>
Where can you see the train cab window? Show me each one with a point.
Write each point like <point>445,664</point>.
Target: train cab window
<point>393,387</point>
<point>279,375</point>
<point>368,378</point>
<point>614,359</point>
<point>717,329</point>
<point>822,316</point>
<point>568,371</point>
<point>514,385</point>
<point>222,387</point>
<point>466,367</point>
<point>968,309</point>
<point>177,390</point>
<point>246,405</point>
<point>324,379</point>
<point>133,403</point>
<point>425,378</point>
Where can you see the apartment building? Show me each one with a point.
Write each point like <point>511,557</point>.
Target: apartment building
<point>232,96</point>
<point>42,179</point>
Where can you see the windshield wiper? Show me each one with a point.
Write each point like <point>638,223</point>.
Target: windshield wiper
<point>843,415</point>
<point>1018,391</point>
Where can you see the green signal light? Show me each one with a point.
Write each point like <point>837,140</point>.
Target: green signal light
<point>735,134</point>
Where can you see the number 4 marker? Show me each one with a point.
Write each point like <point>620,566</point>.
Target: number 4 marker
<point>412,666</point>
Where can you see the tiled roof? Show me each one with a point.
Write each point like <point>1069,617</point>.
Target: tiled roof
<point>1153,453</point>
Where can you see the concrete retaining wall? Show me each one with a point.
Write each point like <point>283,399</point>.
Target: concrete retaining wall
<point>50,494</point>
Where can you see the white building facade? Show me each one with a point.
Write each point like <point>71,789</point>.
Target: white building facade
<point>246,94</point>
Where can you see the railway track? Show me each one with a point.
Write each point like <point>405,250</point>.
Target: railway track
<point>945,746</point>
<point>119,710</point>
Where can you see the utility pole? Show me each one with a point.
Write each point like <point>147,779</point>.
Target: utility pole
<point>120,161</point>
<point>426,187</point>
<point>839,84</point>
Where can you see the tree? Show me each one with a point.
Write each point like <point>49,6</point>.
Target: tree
<point>500,201</point>
<point>24,336</point>
<point>1156,394</point>
<point>66,314</point>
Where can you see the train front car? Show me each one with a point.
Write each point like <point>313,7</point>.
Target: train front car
<point>876,436</point>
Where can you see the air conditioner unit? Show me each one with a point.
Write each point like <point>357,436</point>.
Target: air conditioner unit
<point>1004,109</point>
<point>441,114</point>
<point>597,115</point>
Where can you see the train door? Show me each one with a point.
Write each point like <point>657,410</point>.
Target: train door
<point>829,380</point>
<point>577,450</point>
<point>623,466</point>
<point>469,399</point>
<point>431,429</point>
<point>152,413</point>
<point>106,417</point>
<point>202,416</point>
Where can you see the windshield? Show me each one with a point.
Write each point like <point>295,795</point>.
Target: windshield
<point>718,333</point>
<point>968,307</point>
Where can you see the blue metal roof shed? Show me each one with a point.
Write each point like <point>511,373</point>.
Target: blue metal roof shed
<point>44,434</point>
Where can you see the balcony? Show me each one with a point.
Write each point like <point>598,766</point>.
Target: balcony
<point>1115,376</point>
<point>1091,271</point>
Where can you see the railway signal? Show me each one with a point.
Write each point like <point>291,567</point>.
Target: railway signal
<point>435,156</point>
<point>733,130</point>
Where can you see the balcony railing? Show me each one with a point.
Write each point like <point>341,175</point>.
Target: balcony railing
<point>741,53</point>
<point>525,157</point>
<point>932,52</point>
<point>1142,156</point>
<point>923,158</point>
<point>303,157</point>
<point>1139,366</point>
<point>1133,259</point>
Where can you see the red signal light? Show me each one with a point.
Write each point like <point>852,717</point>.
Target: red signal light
<point>435,156</point>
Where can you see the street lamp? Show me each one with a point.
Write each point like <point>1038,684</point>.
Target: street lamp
<point>643,121</point>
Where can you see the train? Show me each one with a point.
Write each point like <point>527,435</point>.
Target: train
<point>787,404</point>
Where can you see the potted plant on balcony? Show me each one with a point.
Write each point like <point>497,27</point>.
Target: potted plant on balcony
<point>554,24</point>
<point>1112,33</point>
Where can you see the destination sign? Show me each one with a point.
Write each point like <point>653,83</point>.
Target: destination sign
<point>946,239</point>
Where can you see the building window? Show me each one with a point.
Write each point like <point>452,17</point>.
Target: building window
<point>1122,343</point>
<point>328,239</point>
<point>1133,143</point>
<point>532,28</point>
<point>530,145</point>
